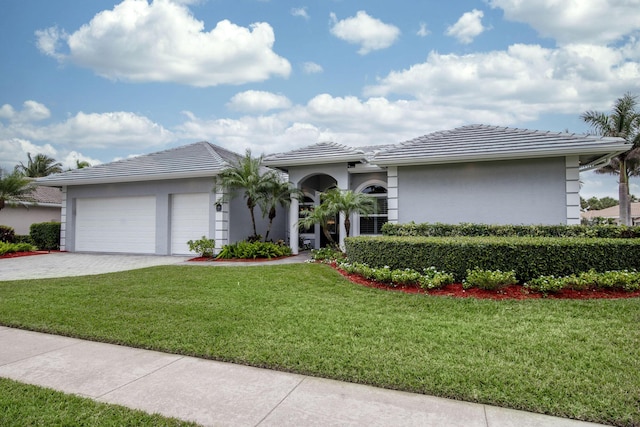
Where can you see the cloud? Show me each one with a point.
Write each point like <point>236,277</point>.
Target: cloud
<point>423,31</point>
<point>32,111</point>
<point>575,21</point>
<point>300,12</point>
<point>312,68</point>
<point>468,27</point>
<point>163,42</point>
<point>258,101</point>
<point>370,33</point>
<point>14,150</point>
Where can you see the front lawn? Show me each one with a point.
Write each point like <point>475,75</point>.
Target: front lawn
<point>571,358</point>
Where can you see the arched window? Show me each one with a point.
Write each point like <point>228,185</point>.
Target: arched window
<point>372,224</point>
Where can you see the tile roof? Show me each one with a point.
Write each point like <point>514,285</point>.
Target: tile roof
<point>611,212</point>
<point>482,142</point>
<point>200,159</point>
<point>42,196</point>
<point>320,153</point>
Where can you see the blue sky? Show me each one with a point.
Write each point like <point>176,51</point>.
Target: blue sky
<point>102,80</point>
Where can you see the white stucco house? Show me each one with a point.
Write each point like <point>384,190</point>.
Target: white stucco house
<point>476,173</point>
<point>43,204</point>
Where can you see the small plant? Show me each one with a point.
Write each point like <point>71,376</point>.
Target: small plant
<point>489,279</point>
<point>253,250</point>
<point>9,248</point>
<point>203,246</point>
<point>434,279</point>
<point>327,254</point>
<point>617,280</point>
<point>7,234</point>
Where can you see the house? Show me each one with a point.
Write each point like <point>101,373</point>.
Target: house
<point>613,213</point>
<point>43,204</point>
<point>477,173</point>
<point>152,204</point>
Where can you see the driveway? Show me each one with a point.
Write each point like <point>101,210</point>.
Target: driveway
<point>64,264</point>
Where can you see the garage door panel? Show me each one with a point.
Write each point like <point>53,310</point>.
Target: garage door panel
<point>189,220</point>
<point>116,224</point>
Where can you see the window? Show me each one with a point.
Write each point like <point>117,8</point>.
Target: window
<point>373,223</point>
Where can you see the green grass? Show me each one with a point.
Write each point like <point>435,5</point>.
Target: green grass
<point>575,359</point>
<point>28,405</point>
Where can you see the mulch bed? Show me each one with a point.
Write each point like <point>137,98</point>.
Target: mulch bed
<point>210,259</point>
<point>514,292</point>
<point>20,254</point>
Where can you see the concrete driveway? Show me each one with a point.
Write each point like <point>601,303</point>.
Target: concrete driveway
<point>64,264</point>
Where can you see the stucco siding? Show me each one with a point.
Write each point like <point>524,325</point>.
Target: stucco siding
<point>21,217</point>
<point>529,191</point>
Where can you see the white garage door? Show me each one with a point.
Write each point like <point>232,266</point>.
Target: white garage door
<point>116,224</point>
<point>189,220</point>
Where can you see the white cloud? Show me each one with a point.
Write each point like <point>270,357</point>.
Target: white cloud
<point>300,11</point>
<point>468,27</point>
<point>575,21</point>
<point>423,31</point>
<point>312,68</point>
<point>14,150</point>
<point>370,33</point>
<point>258,101</point>
<point>31,111</point>
<point>163,42</point>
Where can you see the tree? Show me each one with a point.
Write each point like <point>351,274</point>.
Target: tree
<point>623,121</point>
<point>12,187</point>
<point>595,204</point>
<point>38,166</point>
<point>348,202</point>
<point>277,192</point>
<point>246,175</point>
<point>318,215</point>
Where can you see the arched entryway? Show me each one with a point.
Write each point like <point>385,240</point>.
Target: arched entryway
<point>314,237</point>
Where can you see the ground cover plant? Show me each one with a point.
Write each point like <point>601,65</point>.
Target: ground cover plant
<point>28,405</point>
<point>12,248</point>
<point>570,358</point>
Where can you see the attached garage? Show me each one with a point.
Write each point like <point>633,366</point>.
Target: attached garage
<point>189,220</point>
<point>116,224</point>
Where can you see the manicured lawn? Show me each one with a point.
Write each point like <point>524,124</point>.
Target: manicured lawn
<point>576,359</point>
<point>27,405</point>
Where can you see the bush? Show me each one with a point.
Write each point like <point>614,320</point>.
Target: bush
<point>45,235</point>
<point>477,230</point>
<point>614,280</point>
<point>203,246</point>
<point>489,280</point>
<point>7,234</point>
<point>253,250</point>
<point>9,248</point>
<point>527,257</point>
<point>434,279</point>
<point>21,238</point>
<point>327,254</point>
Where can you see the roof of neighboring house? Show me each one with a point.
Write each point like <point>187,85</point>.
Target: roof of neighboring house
<point>200,159</point>
<point>43,196</point>
<point>482,142</point>
<point>320,153</point>
<point>611,212</point>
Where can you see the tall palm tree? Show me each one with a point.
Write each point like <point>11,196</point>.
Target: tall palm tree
<point>12,187</point>
<point>318,215</point>
<point>38,166</point>
<point>276,193</point>
<point>623,121</point>
<point>348,202</point>
<point>247,175</point>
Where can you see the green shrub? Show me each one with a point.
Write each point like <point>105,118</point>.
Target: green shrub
<point>434,279</point>
<point>253,250</point>
<point>476,230</point>
<point>7,234</point>
<point>327,254</point>
<point>614,280</point>
<point>489,280</point>
<point>9,248</point>
<point>528,257</point>
<point>22,238</point>
<point>203,246</point>
<point>45,235</point>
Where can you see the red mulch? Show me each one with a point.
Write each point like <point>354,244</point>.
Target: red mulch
<point>516,292</point>
<point>19,254</point>
<point>210,259</point>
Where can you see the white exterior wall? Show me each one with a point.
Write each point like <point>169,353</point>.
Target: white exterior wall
<point>532,191</point>
<point>21,217</point>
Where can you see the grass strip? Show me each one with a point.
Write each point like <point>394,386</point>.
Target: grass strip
<point>570,358</point>
<point>29,405</point>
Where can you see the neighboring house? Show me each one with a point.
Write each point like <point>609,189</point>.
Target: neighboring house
<point>476,173</point>
<point>153,204</point>
<point>42,205</point>
<point>613,213</point>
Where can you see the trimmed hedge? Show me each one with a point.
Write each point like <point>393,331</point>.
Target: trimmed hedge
<point>476,230</point>
<point>528,257</point>
<point>45,235</point>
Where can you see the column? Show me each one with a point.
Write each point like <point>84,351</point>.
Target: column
<point>392,194</point>
<point>293,225</point>
<point>573,190</point>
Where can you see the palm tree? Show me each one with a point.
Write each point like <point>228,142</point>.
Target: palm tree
<point>38,166</point>
<point>276,193</point>
<point>246,175</point>
<point>318,215</point>
<point>348,202</point>
<point>623,122</point>
<point>13,186</point>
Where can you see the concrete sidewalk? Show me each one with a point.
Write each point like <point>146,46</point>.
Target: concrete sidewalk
<point>223,394</point>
